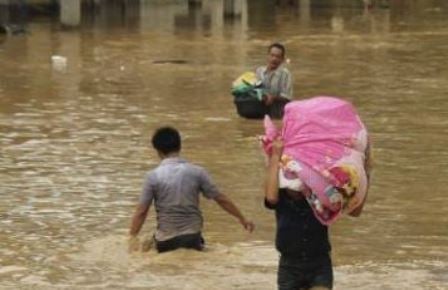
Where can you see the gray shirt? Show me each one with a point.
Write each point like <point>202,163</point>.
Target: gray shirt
<point>175,186</point>
<point>277,82</point>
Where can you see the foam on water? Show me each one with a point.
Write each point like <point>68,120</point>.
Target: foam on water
<point>108,264</point>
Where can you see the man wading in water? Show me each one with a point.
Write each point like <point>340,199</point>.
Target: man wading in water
<point>175,186</point>
<point>276,80</point>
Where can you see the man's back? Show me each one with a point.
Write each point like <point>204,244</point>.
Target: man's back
<point>175,186</point>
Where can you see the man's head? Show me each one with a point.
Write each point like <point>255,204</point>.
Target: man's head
<point>276,55</point>
<point>166,140</point>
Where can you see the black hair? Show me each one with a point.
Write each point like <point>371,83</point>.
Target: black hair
<point>279,46</point>
<point>166,140</point>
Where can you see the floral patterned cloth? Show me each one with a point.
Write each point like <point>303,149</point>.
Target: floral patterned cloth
<point>324,153</point>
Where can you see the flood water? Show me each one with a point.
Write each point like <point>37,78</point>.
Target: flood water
<point>75,142</point>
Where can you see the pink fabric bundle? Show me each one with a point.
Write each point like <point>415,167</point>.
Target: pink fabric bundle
<point>323,156</point>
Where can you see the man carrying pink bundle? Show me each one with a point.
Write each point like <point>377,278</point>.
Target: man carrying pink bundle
<point>318,170</point>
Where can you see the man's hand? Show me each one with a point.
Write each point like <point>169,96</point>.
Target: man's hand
<point>248,225</point>
<point>225,203</point>
<point>268,99</point>
<point>138,219</point>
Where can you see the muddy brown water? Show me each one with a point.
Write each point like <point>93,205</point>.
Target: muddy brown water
<point>75,142</point>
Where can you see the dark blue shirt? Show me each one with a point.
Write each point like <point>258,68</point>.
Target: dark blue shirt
<point>299,233</point>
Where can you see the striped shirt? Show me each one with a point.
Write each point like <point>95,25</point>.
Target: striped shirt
<point>278,82</point>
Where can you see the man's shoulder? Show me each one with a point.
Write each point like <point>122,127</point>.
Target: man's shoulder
<point>279,204</point>
<point>187,165</point>
<point>260,69</point>
<point>196,168</point>
<point>151,174</point>
<point>285,70</point>
<point>156,171</point>
<point>162,171</point>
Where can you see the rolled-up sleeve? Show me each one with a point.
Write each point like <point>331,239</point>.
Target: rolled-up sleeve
<point>148,191</point>
<point>207,187</point>
<point>269,205</point>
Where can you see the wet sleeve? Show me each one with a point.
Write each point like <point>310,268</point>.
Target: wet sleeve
<point>148,189</point>
<point>269,205</point>
<point>286,85</point>
<point>278,206</point>
<point>207,187</point>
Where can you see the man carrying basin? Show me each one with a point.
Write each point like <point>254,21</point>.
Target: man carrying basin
<point>276,80</point>
<point>266,91</point>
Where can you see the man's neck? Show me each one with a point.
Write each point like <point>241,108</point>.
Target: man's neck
<point>270,68</point>
<point>170,155</point>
